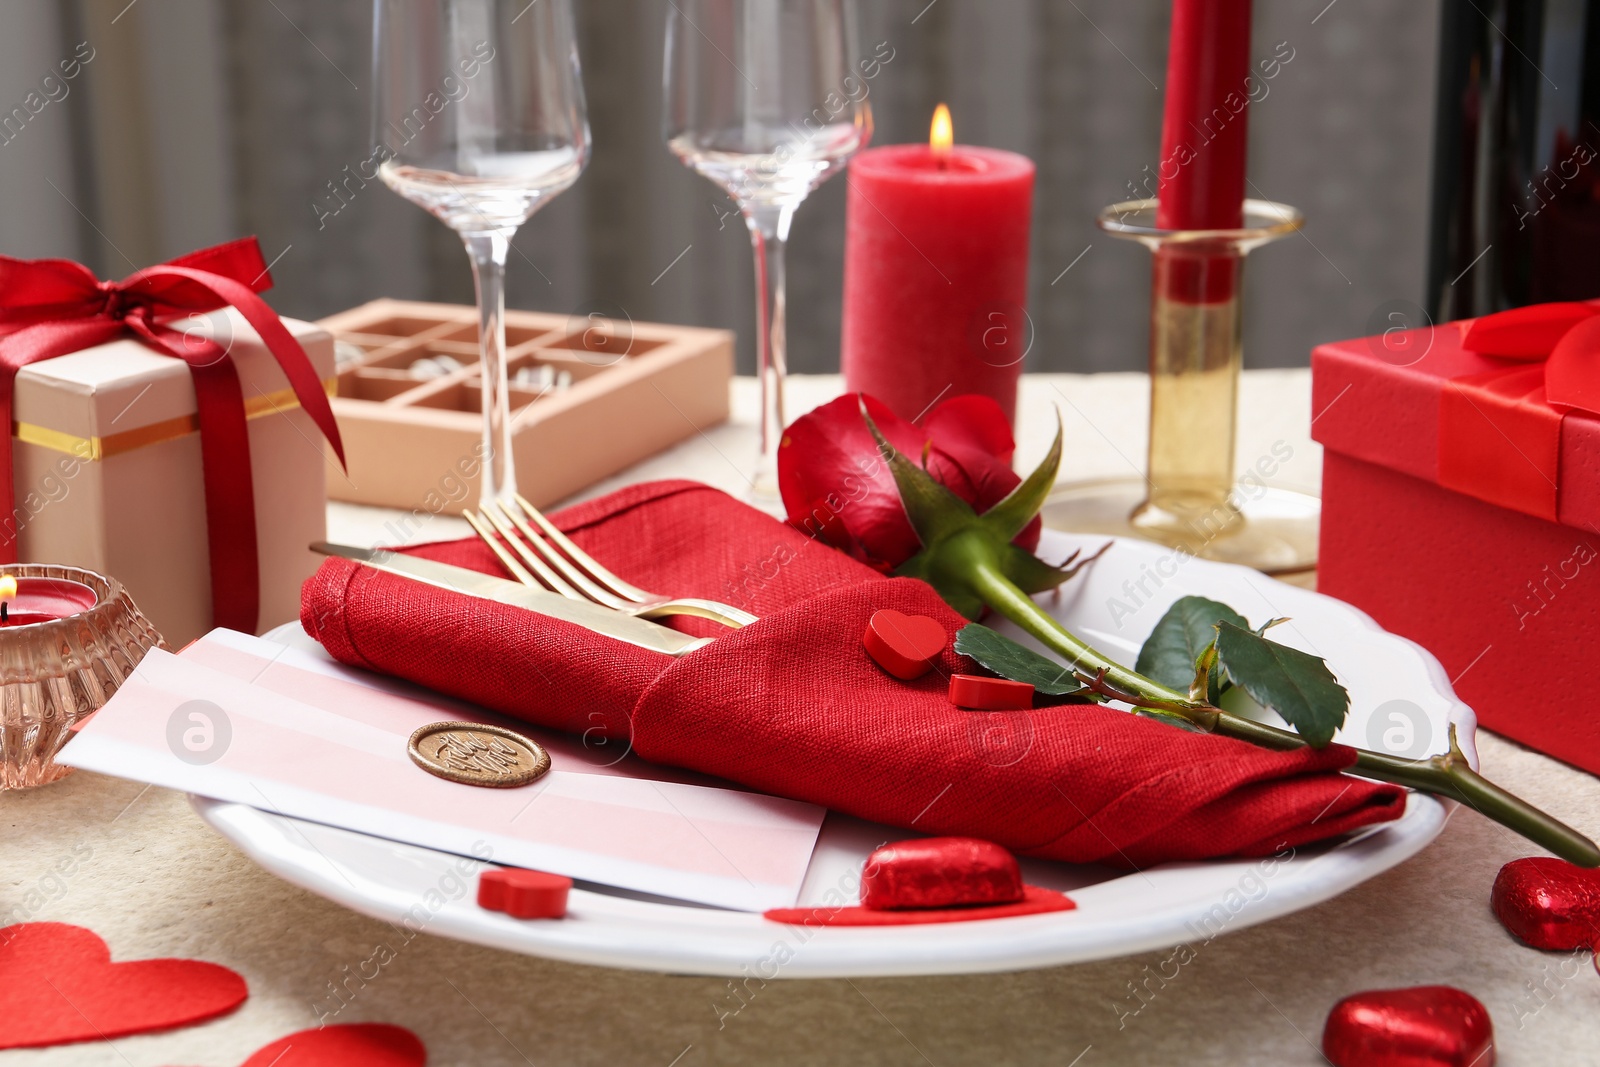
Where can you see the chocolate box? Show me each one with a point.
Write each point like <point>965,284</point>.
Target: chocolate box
<point>615,392</point>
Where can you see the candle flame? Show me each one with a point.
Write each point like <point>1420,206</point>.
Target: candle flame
<point>8,587</point>
<point>942,134</point>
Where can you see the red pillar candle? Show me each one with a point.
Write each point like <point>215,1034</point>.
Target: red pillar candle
<point>936,274</point>
<point>1203,140</point>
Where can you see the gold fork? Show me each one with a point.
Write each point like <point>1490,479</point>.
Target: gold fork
<point>548,559</point>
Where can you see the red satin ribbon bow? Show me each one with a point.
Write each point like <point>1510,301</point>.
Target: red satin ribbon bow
<point>1500,430</point>
<point>50,307</point>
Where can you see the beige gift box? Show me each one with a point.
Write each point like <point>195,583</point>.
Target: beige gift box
<point>108,474</point>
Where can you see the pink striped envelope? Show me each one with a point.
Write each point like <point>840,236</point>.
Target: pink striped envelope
<point>243,719</point>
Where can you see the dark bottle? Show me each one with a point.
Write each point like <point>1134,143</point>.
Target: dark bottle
<point>1516,158</point>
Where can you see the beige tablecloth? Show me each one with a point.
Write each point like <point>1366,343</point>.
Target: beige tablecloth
<point>156,882</point>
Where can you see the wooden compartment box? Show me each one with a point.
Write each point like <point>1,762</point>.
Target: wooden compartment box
<point>629,390</point>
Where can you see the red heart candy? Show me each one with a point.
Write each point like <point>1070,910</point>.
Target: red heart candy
<point>58,985</point>
<point>344,1045</point>
<point>904,645</point>
<point>938,872</point>
<point>1424,1026</point>
<point>1548,903</point>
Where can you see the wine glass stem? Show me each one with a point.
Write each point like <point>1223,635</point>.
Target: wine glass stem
<point>769,233</point>
<point>488,251</point>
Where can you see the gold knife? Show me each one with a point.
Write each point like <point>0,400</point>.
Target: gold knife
<point>594,617</point>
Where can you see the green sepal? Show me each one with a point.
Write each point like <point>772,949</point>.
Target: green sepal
<point>933,511</point>
<point>1012,514</point>
<point>956,540</point>
<point>952,588</point>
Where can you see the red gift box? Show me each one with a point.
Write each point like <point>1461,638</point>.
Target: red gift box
<point>1461,507</point>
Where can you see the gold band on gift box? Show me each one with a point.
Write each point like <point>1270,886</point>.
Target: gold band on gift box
<point>98,448</point>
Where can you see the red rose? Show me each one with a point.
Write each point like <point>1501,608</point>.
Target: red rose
<point>838,488</point>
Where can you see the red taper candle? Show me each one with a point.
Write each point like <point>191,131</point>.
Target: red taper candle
<point>1203,127</point>
<point>1203,138</point>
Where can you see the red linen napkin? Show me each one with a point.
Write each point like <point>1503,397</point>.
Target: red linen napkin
<point>792,705</point>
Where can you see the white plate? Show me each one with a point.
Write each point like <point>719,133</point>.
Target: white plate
<point>1401,702</point>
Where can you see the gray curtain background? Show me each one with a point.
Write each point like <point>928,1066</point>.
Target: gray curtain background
<point>200,120</point>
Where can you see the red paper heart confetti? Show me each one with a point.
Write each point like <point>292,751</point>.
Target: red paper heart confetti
<point>1548,903</point>
<point>58,985</point>
<point>904,645</point>
<point>344,1045</point>
<point>1424,1026</point>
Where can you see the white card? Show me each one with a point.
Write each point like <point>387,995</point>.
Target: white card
<point>242,719</point>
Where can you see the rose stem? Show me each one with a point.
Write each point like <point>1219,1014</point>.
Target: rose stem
<point>1446,775</point>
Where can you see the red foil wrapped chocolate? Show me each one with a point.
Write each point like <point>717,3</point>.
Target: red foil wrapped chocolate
<point>934,880</point>
<point>937,872</point>
<point>1423,1026</point>
<point>1548,903</point>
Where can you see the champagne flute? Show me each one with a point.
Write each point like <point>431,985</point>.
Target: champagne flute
<point>479,118</point>
<point>765,98</point>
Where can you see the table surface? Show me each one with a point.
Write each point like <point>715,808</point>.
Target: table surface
<point>154,881</point>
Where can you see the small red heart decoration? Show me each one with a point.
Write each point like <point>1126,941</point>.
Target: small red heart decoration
<point>904,645</point>
<point>1424,1026</point>
<point>977,692</point>
<point>58,985</point>
<point>524,894</point>
<point>344,1045</point>
<point>1548,903</point>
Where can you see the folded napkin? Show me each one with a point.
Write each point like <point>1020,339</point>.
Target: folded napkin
<point>792,705</point>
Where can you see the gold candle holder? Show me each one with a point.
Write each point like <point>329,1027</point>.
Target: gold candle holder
<point>53,673</point>
<point>1189,497</point>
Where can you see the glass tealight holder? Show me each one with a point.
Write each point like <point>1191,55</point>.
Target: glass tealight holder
<point>55,671</point>
<point>1189,498</point>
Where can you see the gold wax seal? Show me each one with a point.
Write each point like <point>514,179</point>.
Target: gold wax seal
<point>474,753</point>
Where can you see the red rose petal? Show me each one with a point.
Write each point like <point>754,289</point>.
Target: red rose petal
<point>830,474</point>
<point>1424,1026</point>
<point>972,421</point>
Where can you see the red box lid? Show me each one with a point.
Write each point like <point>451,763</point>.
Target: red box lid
<point>1374,399</point>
